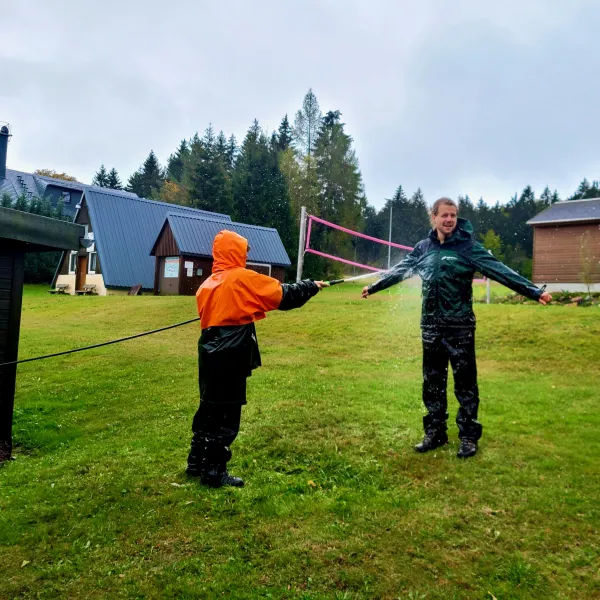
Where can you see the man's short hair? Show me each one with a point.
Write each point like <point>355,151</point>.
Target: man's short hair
<point>436,205</point>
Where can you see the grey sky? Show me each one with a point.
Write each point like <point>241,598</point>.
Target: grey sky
<point>469,96</point>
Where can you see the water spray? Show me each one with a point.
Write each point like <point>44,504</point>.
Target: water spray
<point>336,281</point>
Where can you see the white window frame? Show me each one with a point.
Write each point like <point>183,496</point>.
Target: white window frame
<point>90,272</point>
<point>260,265</point>
<point>73,254</point>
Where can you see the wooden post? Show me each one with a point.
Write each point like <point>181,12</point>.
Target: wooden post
<point>11,294</point>
<point>301,243</point>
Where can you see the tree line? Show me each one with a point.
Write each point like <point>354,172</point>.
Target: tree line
<point>311,162</point>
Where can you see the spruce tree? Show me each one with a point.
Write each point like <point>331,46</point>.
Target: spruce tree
<point>176,162</point>
<point>7,201</point>
<point>206,178</point>
<point>101,177</point>
<point>232,151</point>
<point>546,197</point>
<point>307,124</point>
<point>260,190</point>
<point>147,180</point>
<point>341,192</point>
<point>284,137</point>
<point>114,181</point>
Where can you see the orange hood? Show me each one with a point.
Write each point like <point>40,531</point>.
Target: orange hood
<point>230,250</point>
<point>234,295</point>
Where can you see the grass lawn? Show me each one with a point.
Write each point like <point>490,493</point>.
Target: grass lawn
<point>336,504</point>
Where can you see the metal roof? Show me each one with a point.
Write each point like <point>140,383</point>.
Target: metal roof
<point>568,211</point>
<point>125,229</point>
<point>34,186</point>
<point>194,235</point>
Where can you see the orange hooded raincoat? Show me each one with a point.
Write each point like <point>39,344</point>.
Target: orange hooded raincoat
<point>234,295</point>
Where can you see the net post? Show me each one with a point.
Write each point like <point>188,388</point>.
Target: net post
<point>301,243</point>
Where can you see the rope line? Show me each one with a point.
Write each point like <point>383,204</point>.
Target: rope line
<point>124,339</point>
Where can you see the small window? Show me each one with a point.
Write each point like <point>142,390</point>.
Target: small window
<point>72,263</point>
<point>66,197</point>
<point>92,263</point>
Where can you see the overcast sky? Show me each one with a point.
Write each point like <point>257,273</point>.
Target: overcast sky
<point>464,96</point>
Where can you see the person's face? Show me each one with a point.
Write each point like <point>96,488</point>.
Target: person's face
<point>445,220</point>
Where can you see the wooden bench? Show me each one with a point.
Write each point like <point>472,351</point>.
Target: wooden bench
<point>61,288</point>
<point>88,288</point>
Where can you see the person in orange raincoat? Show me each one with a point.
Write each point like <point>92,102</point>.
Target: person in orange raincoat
<point>229,303</point>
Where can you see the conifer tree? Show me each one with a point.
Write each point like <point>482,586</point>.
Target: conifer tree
<point>307,124</point>
<point>284,137</point>
<point>114,181</point>
<point>147,180</point>
<point>260,190</point>
<point>206,178</point>
<point>101,177</point>
<point>176,162</point>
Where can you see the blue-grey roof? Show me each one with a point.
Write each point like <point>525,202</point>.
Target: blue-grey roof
<point>194,235</point>
<point>568,211</point>
<point>35,186</point>
<point>125,229</point>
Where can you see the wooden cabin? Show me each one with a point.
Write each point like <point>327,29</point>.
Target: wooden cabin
<point>183,252</point>
<point>566,244</point>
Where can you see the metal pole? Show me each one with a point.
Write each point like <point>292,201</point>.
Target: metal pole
<point>488,285</point>
<point>390,240</point>
<point>301,243</point>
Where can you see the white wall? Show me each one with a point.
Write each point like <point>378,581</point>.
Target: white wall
<point>96,280</point>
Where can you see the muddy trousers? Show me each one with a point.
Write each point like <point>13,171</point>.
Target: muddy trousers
<point>458,348</point>
<point>215,426</point>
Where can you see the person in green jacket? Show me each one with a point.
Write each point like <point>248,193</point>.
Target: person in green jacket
<point>446,262</point>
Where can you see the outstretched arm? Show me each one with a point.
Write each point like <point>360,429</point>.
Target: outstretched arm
<point>403,270</point>
<point>491,267</point>
<point>298,294</point>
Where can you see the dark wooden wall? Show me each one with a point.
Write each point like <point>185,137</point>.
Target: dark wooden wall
<point>557,252</point>
<point>11,286</point>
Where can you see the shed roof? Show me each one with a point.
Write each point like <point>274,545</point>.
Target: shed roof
<point>195,235</point>
<point>37,233</point>
<point>125,229</point>
<point>568,211</point>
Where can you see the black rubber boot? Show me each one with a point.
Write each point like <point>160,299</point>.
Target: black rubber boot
<point>431,441</point>
<point>467,448</point>
<point>219,478</point>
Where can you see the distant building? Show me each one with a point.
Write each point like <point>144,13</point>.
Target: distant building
<point>18,183</point>
<point>566,238</point>
<point>183,252</point>
<point>122,231</point>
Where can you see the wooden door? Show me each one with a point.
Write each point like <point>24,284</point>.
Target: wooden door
<point>81,272</point>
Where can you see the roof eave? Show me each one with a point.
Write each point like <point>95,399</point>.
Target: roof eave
<point>562,221</point>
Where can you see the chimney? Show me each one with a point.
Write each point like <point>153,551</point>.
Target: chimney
<point>4,135</point>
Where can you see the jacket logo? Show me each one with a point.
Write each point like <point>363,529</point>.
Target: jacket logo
<point>449,258</point>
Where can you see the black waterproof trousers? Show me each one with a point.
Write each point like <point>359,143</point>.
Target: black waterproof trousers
<point>458,348</point>
<point>216,424</point>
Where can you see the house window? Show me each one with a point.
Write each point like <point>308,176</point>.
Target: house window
<point>92,263</point>
<point>66,196</point>
<point>72,263</point>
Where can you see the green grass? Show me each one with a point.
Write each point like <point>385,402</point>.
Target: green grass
<point>337,505</point>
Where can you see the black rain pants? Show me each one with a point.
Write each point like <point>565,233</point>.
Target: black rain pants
<point>458,348</point>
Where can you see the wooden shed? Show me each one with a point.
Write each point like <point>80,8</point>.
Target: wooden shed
<point>183,252</point>
<point>566,246</point>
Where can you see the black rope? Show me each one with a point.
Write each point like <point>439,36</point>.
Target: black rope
<point>131,337</point>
